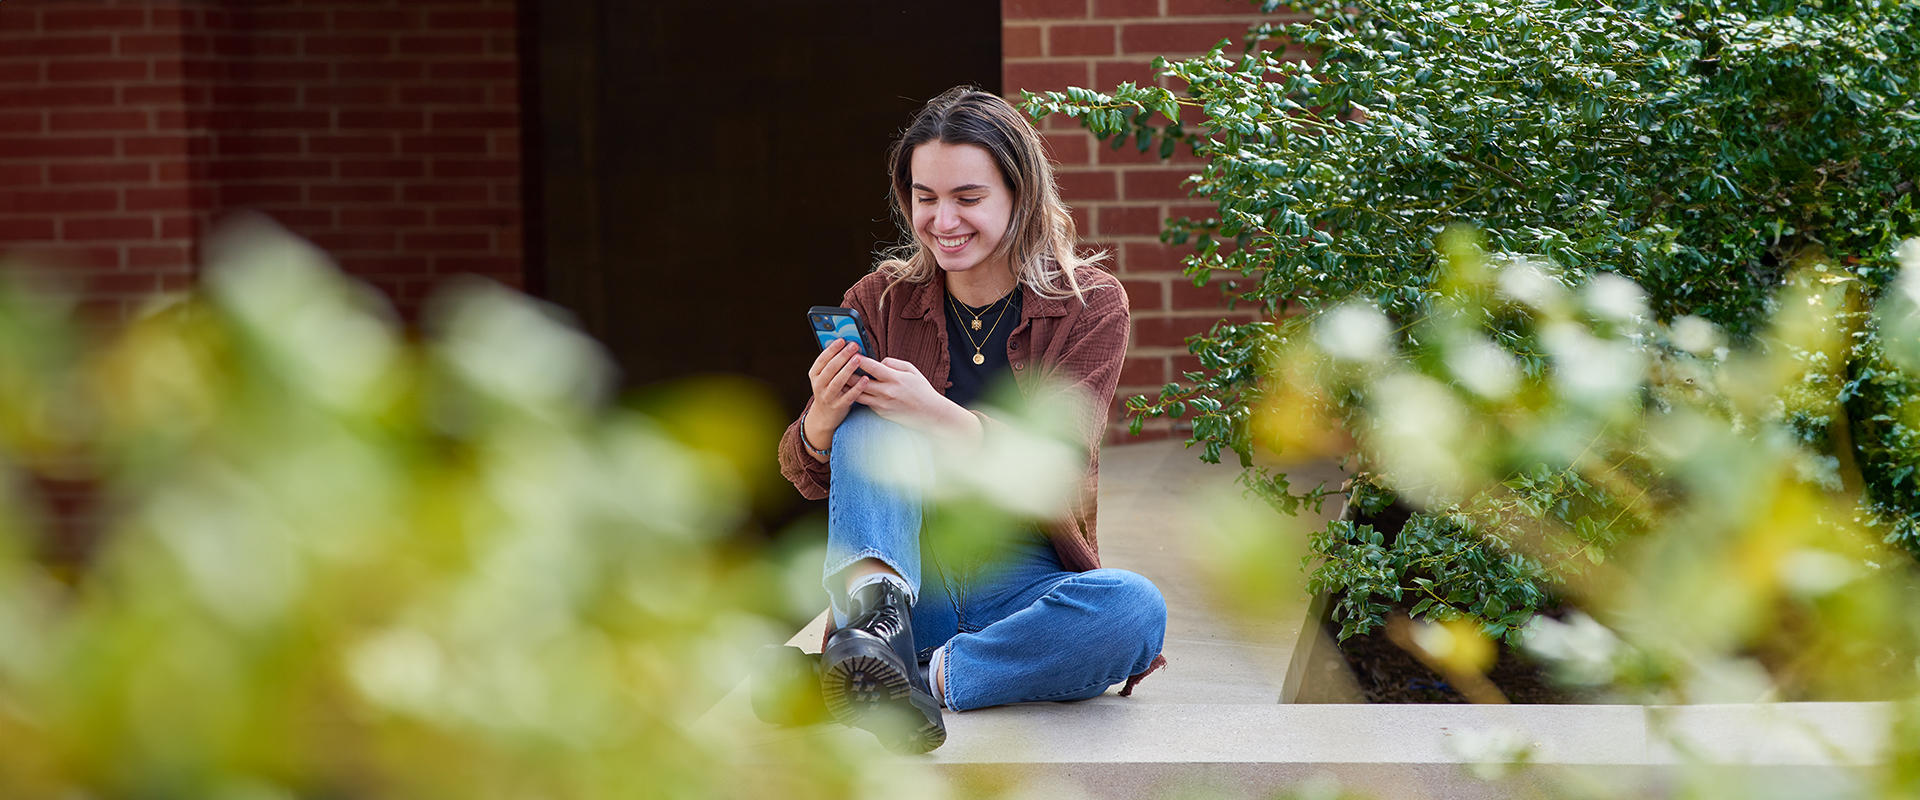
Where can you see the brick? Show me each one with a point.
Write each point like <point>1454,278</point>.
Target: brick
<point>1169,331</point>
<point>15,18</point>
<point>1043,9</point>
<point>160,256</point>
<point>485,217</point>
<point>76,256</point>
<point>1040,76</point>
<point>438,193</point>
<point>503,94</point>
<point>178,227</point>
<point>79,121</point>
<point>444,95</point>
<point>383,168</point>
<point>35,147</point>
<point>268,169</point>
<point>280,19</point>
<point>20,71</point>
<point>1111,9</point>
<point>474,71</point>
<point>56,96</point>
<point>366,144</point>
<point>98,284</point>
<point>73,71</point>
<point>1021,41</point>
<point>1155,184</point>
<point>1146,294</point>
<point>159,95</point>
<point>1224,8</point>
<point>356,20</point>
<point>474,120</point>
<point>26,229</point>
<point>1080,40</point>
<point>1188,297</point>
<point>172,119</point>
<point>444,145</point>
<point>275,145</point>
<point>1153,257</point>
<point>504,143</point>
<point>255,95</point>
<point>354,46</point>
<point>384,119</point>
<point>379,71</point>
<point>383,216</point>
<point>443,45</point>
<point>472,20</point>
<point>474,168</point>
<point>60,47</point>
<point>21,176</point>
<point>244,46</point>
<point>299,218</point>
<point>172,18</point>
<point>166,146</point>
<point>336,193</point>
<point>1079,186</point>
<point>1143,371</point>
<point>503,45</point>
<point>444,241</point>
<point>93,18</point>
<point>478,265</point>
<point>365,95</point>
<point>356,241</point>
<point>22,122</point>
<point>74,229</point>
<point>1128,221</point>
<point>153,44</point>
<point>1167,38</point>
<point>1070,149</point>
<point>254,119</point>
<point>167,198</point>
<point>278,71</point>
<point>115,173</point>
<point>1082,218</point>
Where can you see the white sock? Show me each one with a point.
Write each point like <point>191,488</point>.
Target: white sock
<point>934,682</point>
<point>877,577</point>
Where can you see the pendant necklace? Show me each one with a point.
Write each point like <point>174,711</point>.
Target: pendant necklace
<point>979,359</point>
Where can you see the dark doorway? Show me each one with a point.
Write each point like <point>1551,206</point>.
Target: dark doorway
<point>699,173</point>
<point>704,171</point>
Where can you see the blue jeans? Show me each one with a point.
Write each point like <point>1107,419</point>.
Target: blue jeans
<point>1016,629</point>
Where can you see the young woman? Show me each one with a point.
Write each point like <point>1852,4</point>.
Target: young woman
<point>989,288</point>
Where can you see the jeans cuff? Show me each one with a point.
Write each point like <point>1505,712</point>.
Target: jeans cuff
<point>836,584</point>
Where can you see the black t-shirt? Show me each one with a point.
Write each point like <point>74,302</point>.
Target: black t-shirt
<point>997,321</point>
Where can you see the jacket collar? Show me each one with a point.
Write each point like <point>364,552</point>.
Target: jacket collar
<point>925,298</point>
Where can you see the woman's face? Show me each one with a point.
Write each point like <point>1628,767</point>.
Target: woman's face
<point>961,207</point>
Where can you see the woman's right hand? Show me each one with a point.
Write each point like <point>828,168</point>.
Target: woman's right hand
<point>835,389</point>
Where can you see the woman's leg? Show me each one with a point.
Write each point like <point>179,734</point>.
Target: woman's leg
<point>1048,634</point>
<point>868,516</point>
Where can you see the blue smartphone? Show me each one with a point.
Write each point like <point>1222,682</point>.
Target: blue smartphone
<point>833,322</point>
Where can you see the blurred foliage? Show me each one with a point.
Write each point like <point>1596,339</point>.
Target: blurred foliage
<point>1699,156</point>
<point>331,561</point>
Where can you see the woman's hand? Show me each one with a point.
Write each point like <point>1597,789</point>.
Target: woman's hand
<point>835,389</point>
<point>898,392</point>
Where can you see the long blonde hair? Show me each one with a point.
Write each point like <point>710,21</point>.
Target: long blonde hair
<point>1040,234</point>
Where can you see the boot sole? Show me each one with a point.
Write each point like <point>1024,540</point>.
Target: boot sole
<point>863,686</point>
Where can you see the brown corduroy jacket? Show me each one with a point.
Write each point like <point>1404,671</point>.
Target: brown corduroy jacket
<point>1065,341</point>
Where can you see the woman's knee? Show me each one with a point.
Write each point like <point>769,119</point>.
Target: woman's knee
<point>1135,606</point>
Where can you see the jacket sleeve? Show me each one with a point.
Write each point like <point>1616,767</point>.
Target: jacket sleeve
<point>806,473</point>
<point>1089,362</point>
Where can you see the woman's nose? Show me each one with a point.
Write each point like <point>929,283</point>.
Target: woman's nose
<point>948,217</point>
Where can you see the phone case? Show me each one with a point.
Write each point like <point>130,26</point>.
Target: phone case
<point>841,323</point>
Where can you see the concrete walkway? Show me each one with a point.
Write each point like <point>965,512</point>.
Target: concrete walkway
<point>1212,720</point>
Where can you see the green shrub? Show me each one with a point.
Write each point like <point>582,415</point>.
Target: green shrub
<point>1704,150</point>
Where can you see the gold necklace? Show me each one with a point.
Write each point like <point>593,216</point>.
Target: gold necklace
<point>979,359</point>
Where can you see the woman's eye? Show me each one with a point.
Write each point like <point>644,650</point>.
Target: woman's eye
<point>925,201</point>
<point>969,200</point>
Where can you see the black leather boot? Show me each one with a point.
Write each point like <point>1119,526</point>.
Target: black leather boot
<point>870,678</point>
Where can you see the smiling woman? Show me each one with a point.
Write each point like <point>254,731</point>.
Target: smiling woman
<point>987,288</point>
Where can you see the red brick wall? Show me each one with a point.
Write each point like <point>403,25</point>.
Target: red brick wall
<point>1121,197</point>
<point>387,131</point>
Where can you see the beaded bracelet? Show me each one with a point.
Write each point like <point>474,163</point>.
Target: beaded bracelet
<point>827,453</point>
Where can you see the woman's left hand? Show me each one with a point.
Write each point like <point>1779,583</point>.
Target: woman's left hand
<point>899,393</point>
